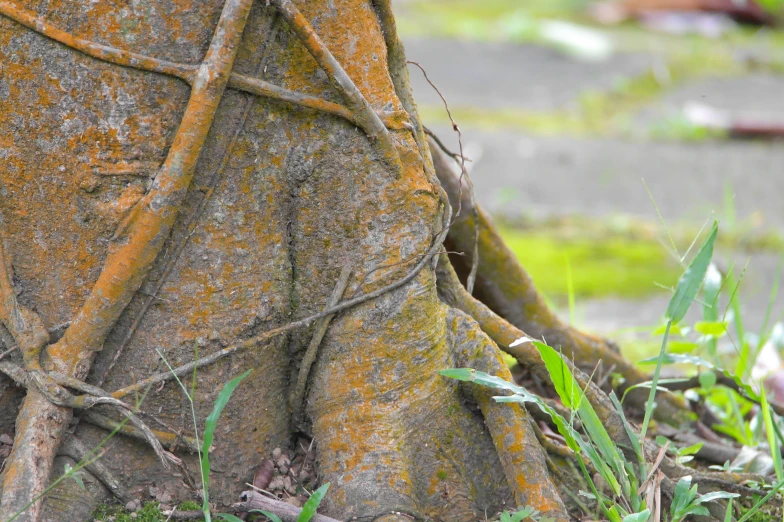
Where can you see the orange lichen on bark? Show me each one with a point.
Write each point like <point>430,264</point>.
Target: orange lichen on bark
<point>360,108</point>
<point>301,196</point>
<point>521,455</point>
<point>102,52</point>
<point>141,236</point>
<point>144,234</point>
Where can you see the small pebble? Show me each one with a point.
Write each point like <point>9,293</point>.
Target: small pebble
<point>294,501</point>
<point>276,484</point>
<point>276,453</point>
<point>288,486</point>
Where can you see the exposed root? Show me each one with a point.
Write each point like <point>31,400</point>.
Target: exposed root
<point>95,397</point>
<point>503,334</point>
<point>101,52</point>
<point>509,424</point>
<point>393,120</point>
<point>258,339</point>
<point>173,441</point>
<point>298,395</point>
<point>506,288</point>
<point>72,447</point>
<point>398,71</point>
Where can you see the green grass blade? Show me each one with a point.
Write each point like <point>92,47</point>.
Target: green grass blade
<point>628,427</point>
<point>711,288</point>
<point>767,417</point>
<point>716,495</point>
<point>654,384</point>
<point>691,280</point>
<point>232,518</point>
<point>312,504</point>
<point>661,218</point>
<point>573,439</point>
<point>573,397</point>
<point>642,516</point>
<point>774,290</point>
<point>729,205</point>
<point>209,433</point>
<point>471,375</point>
<point>737,318</point>
<point>688,286</point>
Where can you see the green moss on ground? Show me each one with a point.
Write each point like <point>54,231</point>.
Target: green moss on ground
<point>487,20</point>
<point>150,512</point>
<point>771,510</point>
<point>621,265</point>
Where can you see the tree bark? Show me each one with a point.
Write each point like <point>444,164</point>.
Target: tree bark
<point>282,197</point>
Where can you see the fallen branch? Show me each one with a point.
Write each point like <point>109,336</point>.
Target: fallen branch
<point>252,500</point>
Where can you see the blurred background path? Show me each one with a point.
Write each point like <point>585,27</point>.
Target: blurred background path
<point>565,117</point>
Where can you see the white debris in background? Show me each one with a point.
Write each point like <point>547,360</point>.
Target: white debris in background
<point>576,40</point>
<point>769,359</point>
<point>703,115</point>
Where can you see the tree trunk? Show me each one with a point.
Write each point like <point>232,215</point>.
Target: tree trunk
<point>136,258</point>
